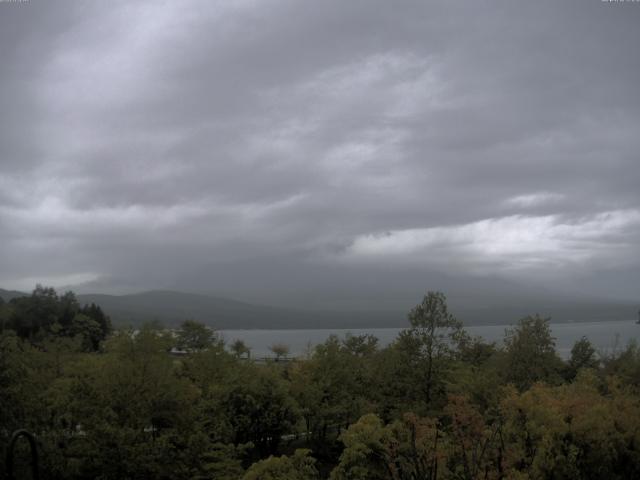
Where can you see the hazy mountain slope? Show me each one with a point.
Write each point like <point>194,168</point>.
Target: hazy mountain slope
<point>374,288</point>
<point>558,311</point>
<point>171,307</point>
<point>7,295</point>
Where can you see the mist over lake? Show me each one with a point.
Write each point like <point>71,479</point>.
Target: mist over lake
<point>605,336</point>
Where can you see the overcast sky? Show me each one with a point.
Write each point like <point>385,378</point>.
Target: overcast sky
<point>323,150</point>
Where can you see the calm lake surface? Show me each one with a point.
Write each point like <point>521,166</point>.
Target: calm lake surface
<point>605,336</point>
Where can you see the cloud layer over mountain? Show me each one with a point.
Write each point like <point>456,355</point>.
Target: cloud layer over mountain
<point>278,145</point>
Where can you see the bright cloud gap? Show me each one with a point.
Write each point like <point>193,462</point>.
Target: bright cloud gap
<point>507,243</point>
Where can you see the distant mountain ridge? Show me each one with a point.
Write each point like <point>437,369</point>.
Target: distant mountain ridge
<point>171,307</point>
<point>7,295</point>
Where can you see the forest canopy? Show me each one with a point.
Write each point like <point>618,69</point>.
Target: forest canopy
<point>437,403</point>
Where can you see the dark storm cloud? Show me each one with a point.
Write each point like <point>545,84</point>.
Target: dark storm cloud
<point>217,145</point>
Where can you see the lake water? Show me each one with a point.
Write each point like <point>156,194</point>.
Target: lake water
<point>605,336</point>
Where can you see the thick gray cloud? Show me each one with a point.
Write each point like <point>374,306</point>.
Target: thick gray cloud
<point>334,152</point>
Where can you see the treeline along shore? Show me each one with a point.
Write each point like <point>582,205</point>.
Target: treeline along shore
<point>436,403</point>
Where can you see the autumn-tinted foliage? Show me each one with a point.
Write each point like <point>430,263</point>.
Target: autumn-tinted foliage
<point>435,404</point>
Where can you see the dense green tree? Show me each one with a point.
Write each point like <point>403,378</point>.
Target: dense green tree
<point>259,407</point>
<point>62,350</point>
<point>418,365</point>
<point>13,369</point>
<point>434,333</point>
<point>360,345</point>
<point>194,336</point>
<point>68,308</point>
<point>33,316</point>
<point>300,466</point>
<point>583,355</point>
<point>25,373</point>
<point>474,350</point>
<point>625,364</point>
<point>530,353</point>
<point>5,315</point>
<point>366,452</point>
<point>403,450</point>
<point>44,314</point>
<point>87,330</point>
<point>96,313</point>
<point>332,386</point>
<point>239,348</point>
<point>135,411</point>
<point>213,370</point>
